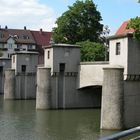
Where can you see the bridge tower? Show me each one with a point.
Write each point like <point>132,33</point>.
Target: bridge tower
<point>125,52</point>
<point>62,61</point>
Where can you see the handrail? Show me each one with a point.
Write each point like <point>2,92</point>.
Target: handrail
<point>122,134</point>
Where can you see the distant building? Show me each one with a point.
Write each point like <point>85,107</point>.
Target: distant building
<point>15,40</point>
<point>42,39</point>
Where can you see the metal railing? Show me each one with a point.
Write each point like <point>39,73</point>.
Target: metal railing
<point>123,134</point>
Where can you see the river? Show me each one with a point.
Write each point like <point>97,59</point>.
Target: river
<point>19,120</point>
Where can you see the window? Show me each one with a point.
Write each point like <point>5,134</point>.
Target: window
<point>2,45</point>
<point>25,37</point>
<point>62,67</point>
<point>29,47</point>
<point>118,48</point>
<point>23,68</point>
<point>1,69</point>
<point>48,54</point>
<point>9,55</point>
<point>10,46</point>
<point>19,46</point>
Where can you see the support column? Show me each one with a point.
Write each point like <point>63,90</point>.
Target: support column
<point>112,99</point>
<point>43,95</point>
<point>9,85</point>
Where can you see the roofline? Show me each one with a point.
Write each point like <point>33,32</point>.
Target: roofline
<point>120,36</point>
<point>61,45</point>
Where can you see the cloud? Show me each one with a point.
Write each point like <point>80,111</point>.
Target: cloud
<point>30,13</point>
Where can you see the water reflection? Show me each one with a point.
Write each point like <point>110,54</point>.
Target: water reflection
<point>19,120</point>
<point>68,124</point>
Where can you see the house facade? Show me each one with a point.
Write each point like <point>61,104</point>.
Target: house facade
<point>16,40</point>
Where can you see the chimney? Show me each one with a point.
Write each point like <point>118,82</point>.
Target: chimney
<point>24,27</point>
<point>41,31</point>
<point>6,27</point>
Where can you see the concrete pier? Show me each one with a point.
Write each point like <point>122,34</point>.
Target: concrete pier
<point>43,95</point>
<point>9,85</point>
<point>112,99</point>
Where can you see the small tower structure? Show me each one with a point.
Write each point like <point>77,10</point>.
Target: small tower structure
<point>62,61</point>
<point>20,80</point>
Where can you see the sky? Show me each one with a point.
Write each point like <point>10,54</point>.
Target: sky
<point>36,14</point>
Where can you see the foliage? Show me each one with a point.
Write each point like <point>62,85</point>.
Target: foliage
<point>80,22</point>
<point>134,23</point>
<point>91,51</point>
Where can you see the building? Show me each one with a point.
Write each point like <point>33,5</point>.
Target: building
<point>121,88</point>
<point>15,40</point>
<point>42,39</point>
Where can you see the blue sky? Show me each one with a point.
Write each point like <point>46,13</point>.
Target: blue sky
<point>36,14</point>
<point>113,12</point>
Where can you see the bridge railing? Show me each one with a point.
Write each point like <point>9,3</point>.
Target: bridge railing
<point>123,134</point>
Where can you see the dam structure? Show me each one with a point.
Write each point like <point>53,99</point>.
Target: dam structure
<point>68,86</point>
<point>73,84</point>
<point>20,79</point>
<point>64,82</point>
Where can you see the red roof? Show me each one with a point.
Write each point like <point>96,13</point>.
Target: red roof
<point>122,30</point>
<point>42,38</point>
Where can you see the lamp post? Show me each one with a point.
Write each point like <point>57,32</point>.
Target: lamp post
<point>105,33</point>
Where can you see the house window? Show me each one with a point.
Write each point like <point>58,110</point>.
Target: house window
<point>10,46</point>
<point>29,47</point>
<point>9,55</point>
<point>19,46</point>
<point>2,45</point>
<point>25,37</point>
<point>118,48</point>
<point>48,54</point>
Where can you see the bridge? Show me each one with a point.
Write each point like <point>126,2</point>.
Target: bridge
<point>91,74</point>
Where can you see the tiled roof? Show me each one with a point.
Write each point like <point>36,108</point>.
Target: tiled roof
<point>122,30</point>
<point>42,38</point>
<point>20,36</point>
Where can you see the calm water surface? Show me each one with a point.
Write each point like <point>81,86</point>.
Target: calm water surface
<point>19,120</point>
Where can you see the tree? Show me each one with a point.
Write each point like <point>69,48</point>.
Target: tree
<point>80,23</point>
<point>91,51</point>
<point>134,23</point>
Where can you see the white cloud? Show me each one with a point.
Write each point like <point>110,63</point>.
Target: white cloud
<point>30,13</point>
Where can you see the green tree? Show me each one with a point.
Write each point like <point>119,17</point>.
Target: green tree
<point>134,23</point>
<point>80,22</point>
<point>91,51</point>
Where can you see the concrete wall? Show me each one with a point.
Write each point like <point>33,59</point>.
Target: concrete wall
<point>131,103</point>
<point>112,110</point>
<point>133,56</point>
<point>4,63</point>
<point>90,74</point>
<point>25,86</point>
<point>122,59</point>
<point>68,96</point>
<point>69,56</point>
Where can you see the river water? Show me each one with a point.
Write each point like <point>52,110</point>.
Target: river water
<point>19,120</point>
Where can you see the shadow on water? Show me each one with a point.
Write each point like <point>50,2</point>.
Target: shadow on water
<point>19,120</point>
